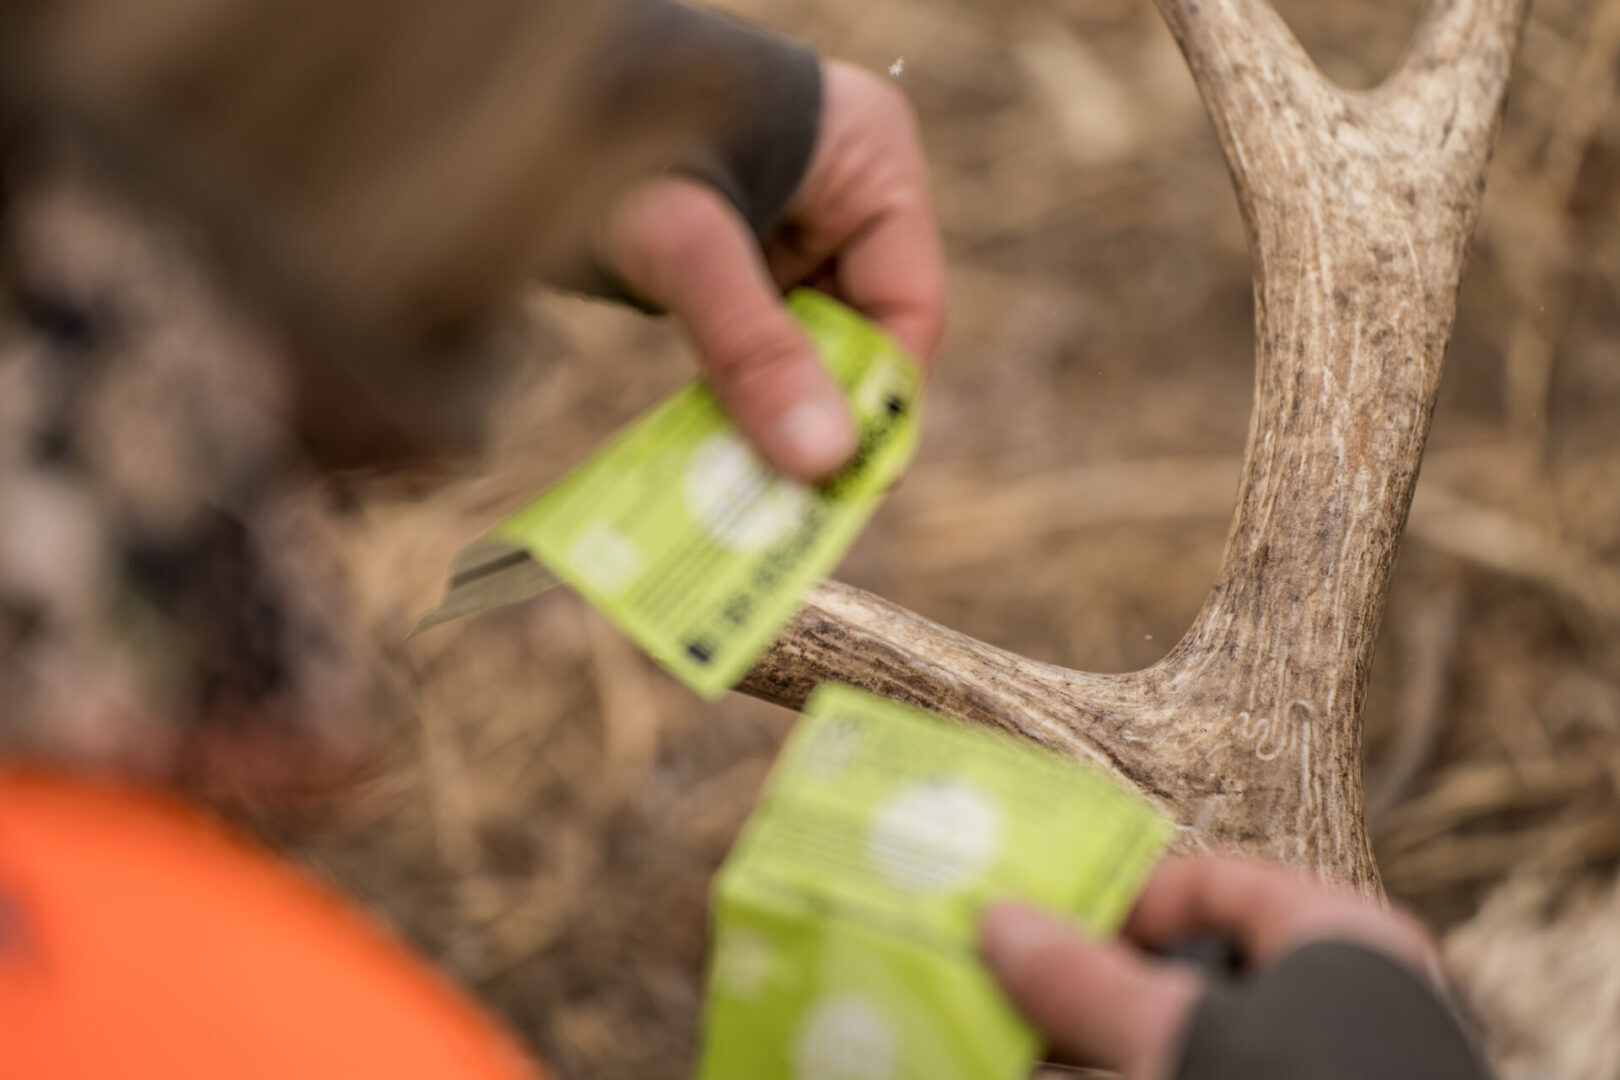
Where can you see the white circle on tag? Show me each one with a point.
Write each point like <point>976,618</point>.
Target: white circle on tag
<point>743,964</point>
<point>935,836</point>
<point>846,1038</point>
<point>737,498</point>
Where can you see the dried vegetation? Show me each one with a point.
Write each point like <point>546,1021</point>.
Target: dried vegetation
<point>551,806</point>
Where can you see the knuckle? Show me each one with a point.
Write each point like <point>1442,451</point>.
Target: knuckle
<point>878,99</point>
<point>1054,979</point>
<point>693,216</point>
<point>894,104</point>
<point>663,226</point>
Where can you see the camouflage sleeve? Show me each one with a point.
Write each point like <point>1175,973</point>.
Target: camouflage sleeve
<point>406,164</point>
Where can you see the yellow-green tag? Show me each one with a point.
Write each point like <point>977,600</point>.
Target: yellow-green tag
<point>845,919</point>
<point>695,547</point>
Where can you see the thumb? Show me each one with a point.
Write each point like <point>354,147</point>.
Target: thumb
<point>678,244</point>
<point>1098,1002</point>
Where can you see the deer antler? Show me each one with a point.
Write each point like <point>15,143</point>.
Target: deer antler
<point>1359,207</point>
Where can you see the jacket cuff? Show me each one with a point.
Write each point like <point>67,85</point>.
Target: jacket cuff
<point>1331,1010</point>
<point>758,149</point>
<point>763,144</point>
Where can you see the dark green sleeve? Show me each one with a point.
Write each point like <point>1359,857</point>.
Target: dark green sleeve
<point>1327,1011</point>
<point>757,153</point>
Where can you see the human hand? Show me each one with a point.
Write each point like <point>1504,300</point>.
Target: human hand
<point>861,228</point>
<point>1113,1004</point>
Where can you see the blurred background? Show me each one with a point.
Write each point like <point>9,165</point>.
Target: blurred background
<point>532,805</point>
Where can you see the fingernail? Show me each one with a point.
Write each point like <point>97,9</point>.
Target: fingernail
<point>1012,933</point>
<point>814,437</point>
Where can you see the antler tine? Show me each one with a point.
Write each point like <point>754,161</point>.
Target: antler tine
<point>1478,35</point>
<point>1256,81</point>
<point>1441,95</point>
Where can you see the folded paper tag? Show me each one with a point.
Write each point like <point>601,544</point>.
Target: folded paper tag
<point>845,919</point>
<point>684,537</point>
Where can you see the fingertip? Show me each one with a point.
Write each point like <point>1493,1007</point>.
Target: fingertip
<point>812,438</point>
<point>1012,934</point>
<point>774,387</point>
<point>999,925</point>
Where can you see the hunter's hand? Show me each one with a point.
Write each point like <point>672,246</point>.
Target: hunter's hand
<point>861,228</point>
<point>1112,1004</point>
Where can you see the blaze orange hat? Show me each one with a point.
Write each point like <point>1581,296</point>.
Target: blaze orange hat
<point>139,940</point>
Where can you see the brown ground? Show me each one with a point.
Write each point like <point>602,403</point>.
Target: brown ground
<point>554,805</point>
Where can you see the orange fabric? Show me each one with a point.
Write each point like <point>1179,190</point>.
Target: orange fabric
<point>138,940</point>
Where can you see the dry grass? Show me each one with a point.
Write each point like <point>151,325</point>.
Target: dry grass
<point>553,806</point>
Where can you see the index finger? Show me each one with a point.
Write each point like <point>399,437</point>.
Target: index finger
<point>1267,909</point>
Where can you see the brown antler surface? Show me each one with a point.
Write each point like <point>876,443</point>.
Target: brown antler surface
<point>1359,206</point>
